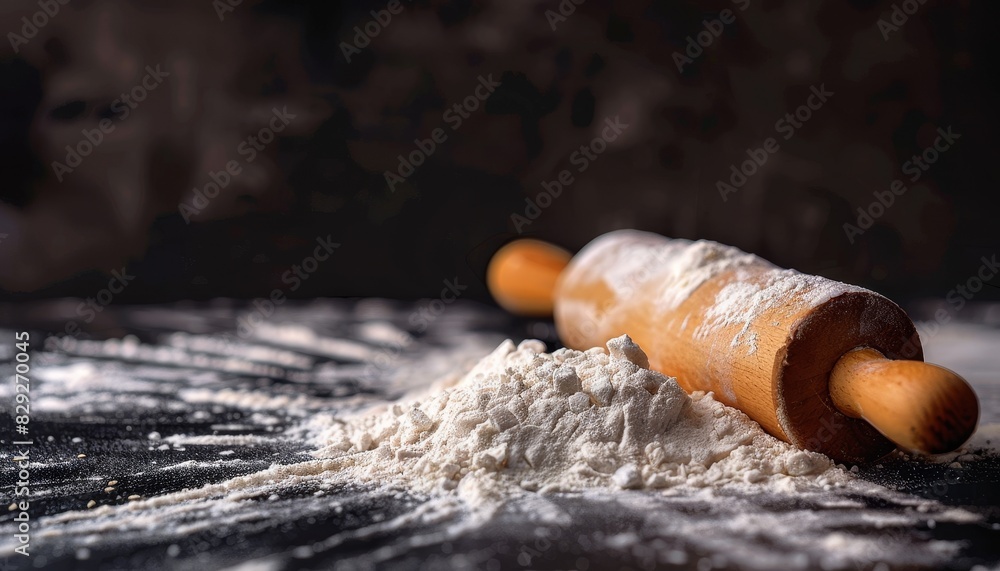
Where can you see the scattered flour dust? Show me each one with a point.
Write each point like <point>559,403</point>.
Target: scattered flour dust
<point>743,302</point>
<point>523,423</point>
<point>523,419</point>
<point>626,260</point>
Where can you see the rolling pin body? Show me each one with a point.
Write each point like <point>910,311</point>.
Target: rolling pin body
<point>763,339</point>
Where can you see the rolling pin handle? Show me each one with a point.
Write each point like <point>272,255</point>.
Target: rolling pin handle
<point>522,276</point>
<point>917,405</point>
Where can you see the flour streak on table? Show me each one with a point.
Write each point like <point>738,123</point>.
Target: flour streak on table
<point>181,406</point>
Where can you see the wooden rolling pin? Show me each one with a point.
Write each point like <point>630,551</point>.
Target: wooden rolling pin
<point>823,365</point>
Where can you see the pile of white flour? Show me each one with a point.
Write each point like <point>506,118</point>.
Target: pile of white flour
<point>523,419</point>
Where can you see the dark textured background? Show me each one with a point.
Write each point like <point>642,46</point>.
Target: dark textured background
<point>324,177</point>
<point>121,206</point>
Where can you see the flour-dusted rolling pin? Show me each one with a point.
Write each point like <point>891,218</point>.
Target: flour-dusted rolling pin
<point>823,365</point>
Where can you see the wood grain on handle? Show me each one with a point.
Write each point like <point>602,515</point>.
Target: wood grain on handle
<point>917,405</point>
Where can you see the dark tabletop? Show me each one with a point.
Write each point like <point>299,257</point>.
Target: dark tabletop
<point>182,397</point>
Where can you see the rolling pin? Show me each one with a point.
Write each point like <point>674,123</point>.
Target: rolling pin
<point>823,365</point>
